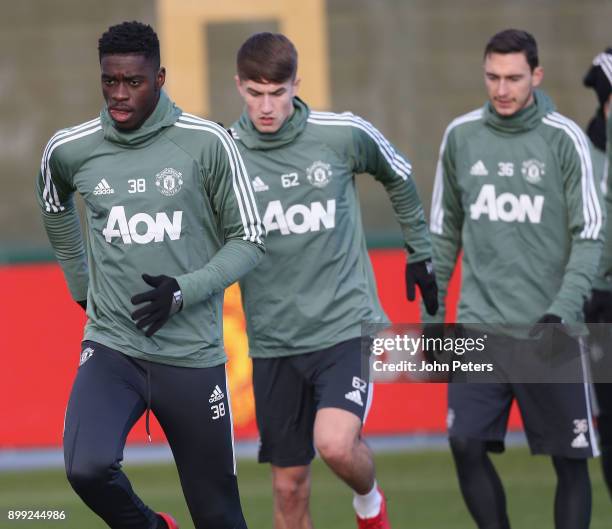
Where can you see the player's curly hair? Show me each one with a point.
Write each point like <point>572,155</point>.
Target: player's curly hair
<point>267,57</point>
<point>130,37</point>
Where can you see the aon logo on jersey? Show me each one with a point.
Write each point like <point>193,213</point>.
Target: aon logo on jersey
<point>142,228</point>
<point>299,218</point>
<point>507,207</point>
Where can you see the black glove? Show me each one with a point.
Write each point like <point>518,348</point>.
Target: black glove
<point>598,308</point>
<point>166,299</point>
<point>83,304</point>
<point>422,274</point>
<point>558,347</point>
<point>551,321</point>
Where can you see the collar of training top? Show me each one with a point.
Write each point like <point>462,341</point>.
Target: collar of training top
<point>526,119</point>
<point>291,129</point>
<point>165,115</point>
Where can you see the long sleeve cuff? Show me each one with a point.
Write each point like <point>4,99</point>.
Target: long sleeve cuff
<point>409,214</point>
<point>235,259</point>
<point>77,276</point>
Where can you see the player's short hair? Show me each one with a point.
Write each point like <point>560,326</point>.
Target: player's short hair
<point>514,41</point>
<point>130,37</point>
<point>267,57</point>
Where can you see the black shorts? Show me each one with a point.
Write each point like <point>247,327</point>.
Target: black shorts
<point>557,417</point>
<point>290,390</point>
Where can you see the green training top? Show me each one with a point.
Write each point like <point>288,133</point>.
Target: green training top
<point>604,279</point>
<point>172,197</point>
<point>518,196</point>
<point>315,285</point>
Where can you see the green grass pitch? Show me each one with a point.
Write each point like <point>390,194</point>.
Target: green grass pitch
<point>421,488</point>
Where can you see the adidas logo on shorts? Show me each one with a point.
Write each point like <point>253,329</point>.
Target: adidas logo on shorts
<point>216,395</point>
<point>354,396</point>
<point>103,188</point>
<point>580,441</point>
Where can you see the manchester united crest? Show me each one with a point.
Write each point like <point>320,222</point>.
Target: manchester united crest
<point>169,181</point>
<point>533,170</point>
<point>319,174</point>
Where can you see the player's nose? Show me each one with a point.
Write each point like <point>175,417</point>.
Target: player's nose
<point>502,88</point>
<point>266,104</point>
<point>120,93</point>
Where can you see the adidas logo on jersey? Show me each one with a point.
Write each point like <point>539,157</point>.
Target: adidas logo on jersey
<point>354,396</point>
<point>479,169</point>
<point>103,188</point>
<point>216,395</point>
<point>580,441</point>
<point>259,185</point>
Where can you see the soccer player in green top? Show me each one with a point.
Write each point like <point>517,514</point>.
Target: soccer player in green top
<point>171,222</point>
<point>306,301</point>
<point>515,191</point>
<point>598,308</point>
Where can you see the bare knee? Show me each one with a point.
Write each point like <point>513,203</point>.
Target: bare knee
<point>335,449</point>
<point>336,436</point>
<point>291,486</point>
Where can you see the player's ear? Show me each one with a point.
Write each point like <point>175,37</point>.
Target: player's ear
<point>238,84</point>
<point>160,78</point>
<point>537,76</point>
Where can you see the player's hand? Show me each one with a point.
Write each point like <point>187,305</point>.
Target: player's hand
<point>83,304</point>
<point>165,300</point>
<point>557,345</point>
<point>598,308</point>
<point>548,321</point>
<point>422,274</point>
